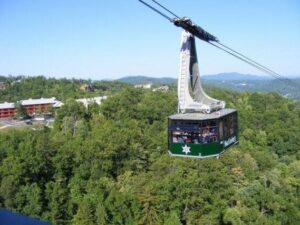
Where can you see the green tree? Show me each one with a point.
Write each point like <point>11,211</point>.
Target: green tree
<point>101,217</point>
<point>84,215</point>
<point>30,199</point>
<point>57,196</point>
<point>172,219</point>
<point>232,216</point>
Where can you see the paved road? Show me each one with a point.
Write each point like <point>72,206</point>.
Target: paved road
<point>10,123</point>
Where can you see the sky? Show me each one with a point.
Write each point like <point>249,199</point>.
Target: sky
<point>99,39</point>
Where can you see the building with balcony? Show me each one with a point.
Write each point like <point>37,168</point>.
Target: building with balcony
<point>7,110</point>
<point>40,105</point>
<point>31,106</point>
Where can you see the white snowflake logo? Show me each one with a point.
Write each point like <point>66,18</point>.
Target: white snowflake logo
<point>186,149</point>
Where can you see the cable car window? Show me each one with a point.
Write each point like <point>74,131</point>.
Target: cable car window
<point>235,123</point>
<point>225,127</point>
<point>192,132</point>
<point>221,129</point>
<point>230,125</point>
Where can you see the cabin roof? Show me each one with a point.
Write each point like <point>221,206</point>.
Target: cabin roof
<point>202,116</point>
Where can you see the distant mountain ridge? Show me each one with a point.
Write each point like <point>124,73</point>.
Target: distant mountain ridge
<point>234,76</point>
<point>231,81</point>
<point>168,80</point>
<point>145,80</point>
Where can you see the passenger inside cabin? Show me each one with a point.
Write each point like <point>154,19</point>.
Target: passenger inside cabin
<point>175,139</point>
<point>204,135</point>
<point>180,139</point>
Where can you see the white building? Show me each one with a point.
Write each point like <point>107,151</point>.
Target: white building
<point>164,88</point>
<point>144,86</point>
<point>88,101</point>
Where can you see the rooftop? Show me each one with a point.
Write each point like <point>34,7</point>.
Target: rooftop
<point>39,101</point>
<point>7,105</point>
<point>201,116</point>
<point>87,101</point>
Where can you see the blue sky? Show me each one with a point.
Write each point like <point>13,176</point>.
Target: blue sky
<point>100,39</point>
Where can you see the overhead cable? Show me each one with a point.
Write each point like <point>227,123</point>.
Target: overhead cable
<point>191,27</point>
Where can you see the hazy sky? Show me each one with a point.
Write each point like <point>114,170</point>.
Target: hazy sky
<point>100,39</point>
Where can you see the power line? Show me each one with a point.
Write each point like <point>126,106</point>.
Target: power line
<point>254,64</point>
<point>257,66</point>
<point>271,71</point>
<point>154,9</point>
<point>165,8</point>
<point>240,58</point>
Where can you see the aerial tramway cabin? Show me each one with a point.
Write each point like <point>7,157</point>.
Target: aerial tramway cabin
<point>202,135</point>
<point>203,126</point>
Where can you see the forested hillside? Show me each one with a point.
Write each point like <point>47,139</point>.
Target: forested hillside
<point>109,165</point>
<point>22,87</point>
<point>289,88</point>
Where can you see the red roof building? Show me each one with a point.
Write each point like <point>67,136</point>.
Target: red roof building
<point>32,106</point>
<point>7,110</point>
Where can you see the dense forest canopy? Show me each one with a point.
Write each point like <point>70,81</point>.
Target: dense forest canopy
<point>22,87</point>
<point>109,164</point>
<point>287,88</point>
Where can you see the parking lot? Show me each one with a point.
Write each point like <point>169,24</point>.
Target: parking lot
<point>11,123</point>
